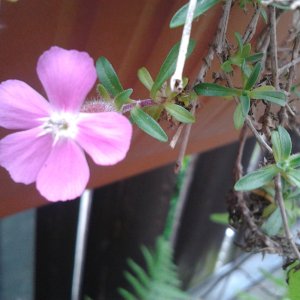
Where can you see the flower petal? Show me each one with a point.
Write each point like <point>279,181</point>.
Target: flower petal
<point>65,173</point>
<point>23,153</point>
<point>67,76</point>
<point>21,106</point>
<point>104,136</point>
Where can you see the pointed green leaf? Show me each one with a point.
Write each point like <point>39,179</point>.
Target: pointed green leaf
<point>277,97</point>
<point>273,224</point>
<point>254,58</point>
<point>145,78</point>
<point>294,177</point>
<point>179,113</point>
<point>245,103</point>
<point>201,7</point>
<point>294,284</point>
<point>103,92</point>
<point>139,272</point>
<point>148,124</point>
<point>264,15</point>
<point>294,161</point>
<point>256,179</point>
<point>253,77</point>
<point>123,98</point>
<point>126,295</point>
<point>246,69</point>
<point>239,40</point>
<point>246,50</point>
<point>226,66</point>
<point>238,117</point>
<point>282,144</point>
<point>213,89</point>
<point>108,76</point>
<point>168,67</point>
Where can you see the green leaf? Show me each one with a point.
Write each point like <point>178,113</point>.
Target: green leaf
<point>253,77</point>
<point>148,124</point>
<point>246,69</point>
<point>246,50</point>
<point>179,113</point>
<point>239,40</point>
<point>226,66</point>
<point>293,176</point>
<point>123,98</point>
<point>264,15</point>
<point>168,67</point>
<point>238,117</point>
<point>294,161</point>
<point>261,93</point>
<point>213,89</point>
<point>103,92</point>
<point>126,295</point>
<point>245,103</point>
<point>201,7</point>
<point>145,78</point>
<point>294,284</point>
<point>220,218</point>
<point>281,144</point>
<point>254,58</point>
<point>108,76</point>
<point>273,224</point>
<point>256,179</point>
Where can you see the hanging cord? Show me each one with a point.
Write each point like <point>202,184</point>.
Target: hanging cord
<point>176,79</point>
<point>80,247</point>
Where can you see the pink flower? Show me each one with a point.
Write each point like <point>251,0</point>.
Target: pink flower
<point>50,147</point>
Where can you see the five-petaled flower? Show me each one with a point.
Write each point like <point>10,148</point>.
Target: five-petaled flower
<point>49,149</point>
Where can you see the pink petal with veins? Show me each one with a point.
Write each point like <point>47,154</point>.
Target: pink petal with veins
<point>67,76</point>
<point>104,136</point>
<point>23,153</point>
<point>65,173</point>
<point>21,107</point>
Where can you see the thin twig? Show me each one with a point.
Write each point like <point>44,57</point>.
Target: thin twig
<point>219,39</point>
<point>280,202</point>
<point>258,137</point>
<point>183,146</point>
<point>289,65</point>
<point>139,103</point>
<point>273,47</point>
<point>176,135</point>
<point>251,28</point>
<point>238,163</point>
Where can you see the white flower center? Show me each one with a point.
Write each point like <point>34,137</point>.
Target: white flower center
<point>61,125</point>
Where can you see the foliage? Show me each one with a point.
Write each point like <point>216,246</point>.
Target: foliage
<point>160,281</point>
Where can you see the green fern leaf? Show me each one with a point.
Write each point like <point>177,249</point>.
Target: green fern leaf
<point>159,281</point>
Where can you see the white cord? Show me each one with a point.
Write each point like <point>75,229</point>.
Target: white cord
<point>81,237</point>
<point>176,79</point>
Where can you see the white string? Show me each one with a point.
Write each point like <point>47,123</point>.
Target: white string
<point>81,237</point>
<point>176,79</point>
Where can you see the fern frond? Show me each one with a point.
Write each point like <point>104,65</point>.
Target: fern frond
<point>159,281</point>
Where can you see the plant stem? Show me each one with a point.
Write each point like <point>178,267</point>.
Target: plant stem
<point>280,202</point>
<point>140,103</point>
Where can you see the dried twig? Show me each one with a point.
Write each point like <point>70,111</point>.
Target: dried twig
<point>293,63</point>
<point>251,28</point>
<point>280,202</point>
<point>217,43</point>
<point>273,47</point>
